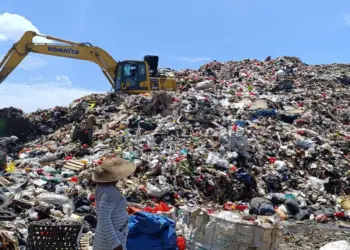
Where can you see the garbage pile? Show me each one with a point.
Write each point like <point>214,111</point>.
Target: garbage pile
<point>257,137</point>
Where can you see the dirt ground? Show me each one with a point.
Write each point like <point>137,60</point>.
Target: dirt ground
<point>312,239</point>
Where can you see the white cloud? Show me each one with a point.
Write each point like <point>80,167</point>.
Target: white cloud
<point>195,59</point>
<point>30,97</point>
<point>347,19</point>
<point>13,26</point>
<point>63,79</point>
<point>35,79</point>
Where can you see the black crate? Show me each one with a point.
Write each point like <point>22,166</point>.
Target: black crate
<point>48,235</point>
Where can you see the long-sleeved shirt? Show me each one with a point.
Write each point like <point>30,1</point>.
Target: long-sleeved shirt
<point>112,219</point>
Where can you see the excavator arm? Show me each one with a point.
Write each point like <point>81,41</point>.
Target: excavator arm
<point>65,49</point>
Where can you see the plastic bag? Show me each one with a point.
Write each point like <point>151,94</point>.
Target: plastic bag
<point>10,168</point>
<point>292,206</point>
<point>239,144</point>
<point>216,159</point>
<point>337,245</point>
<point>53,198</point>
<point>157,191</point>
<point>281,166</point>
<point>276,198</point>
<point>345,204</point>
<point>316,184</point>
<point>305,143</point>
<point>204,85</point>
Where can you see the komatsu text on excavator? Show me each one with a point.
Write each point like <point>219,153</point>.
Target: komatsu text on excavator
<point>129,76</point>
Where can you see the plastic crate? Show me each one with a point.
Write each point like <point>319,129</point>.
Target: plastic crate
<point>47,235</point>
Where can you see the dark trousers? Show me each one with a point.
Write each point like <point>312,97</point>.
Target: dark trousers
<point>90,134</point>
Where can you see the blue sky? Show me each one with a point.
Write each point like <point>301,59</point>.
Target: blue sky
<point>184,33</point>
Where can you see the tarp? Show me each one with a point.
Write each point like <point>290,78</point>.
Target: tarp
<point>152,232</point>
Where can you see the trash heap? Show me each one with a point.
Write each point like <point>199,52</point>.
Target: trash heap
<point>255,137</point>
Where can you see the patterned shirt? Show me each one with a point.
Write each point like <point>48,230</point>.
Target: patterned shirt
<point>112,218</point>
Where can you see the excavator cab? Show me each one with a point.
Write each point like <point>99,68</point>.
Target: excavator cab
<point>132,77</point>
<point>141,76</point>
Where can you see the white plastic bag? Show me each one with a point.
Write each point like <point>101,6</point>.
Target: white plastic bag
<point>305,143</point>
<point>215,159</point>
<point>204,85</point>
<point>53,198</point>
<point>281,166</point>
<point>337,245</point>
<point>157,191</point>
<point>316,184</point>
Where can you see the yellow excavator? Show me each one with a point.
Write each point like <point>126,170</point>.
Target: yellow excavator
<point>130,76</point>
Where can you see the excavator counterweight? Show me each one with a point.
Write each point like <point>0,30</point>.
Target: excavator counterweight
<point>130,76</point>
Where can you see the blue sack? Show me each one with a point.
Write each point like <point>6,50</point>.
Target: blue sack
<point>243,176</point>
<point>151,232</point>
<point>265,113</point>
<point>266,209</point>
<point>240,123</point>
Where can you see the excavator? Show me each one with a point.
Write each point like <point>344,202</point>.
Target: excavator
<point>130,76</point>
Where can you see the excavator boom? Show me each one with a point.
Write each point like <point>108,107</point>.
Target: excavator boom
<point>70,49</point>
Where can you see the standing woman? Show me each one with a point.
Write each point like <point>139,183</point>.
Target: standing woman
<point>112,217</point>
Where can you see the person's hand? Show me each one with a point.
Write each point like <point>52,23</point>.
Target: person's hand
<point>119,247</point>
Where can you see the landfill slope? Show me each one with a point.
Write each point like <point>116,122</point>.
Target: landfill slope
<point>277,130</point>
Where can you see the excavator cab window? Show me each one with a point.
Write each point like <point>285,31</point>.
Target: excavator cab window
<point>130,70</point>
<point>130,74</point>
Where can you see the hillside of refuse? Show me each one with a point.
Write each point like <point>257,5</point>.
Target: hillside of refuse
<point>264,138</point>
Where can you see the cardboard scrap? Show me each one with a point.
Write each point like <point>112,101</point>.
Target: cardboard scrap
<point>85,241</point>
<point>119,118</point>
<point>293,110</point>
<point>5,181</point>
<point>259,104</point>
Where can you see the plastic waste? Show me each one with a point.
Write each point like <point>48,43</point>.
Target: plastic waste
<point>345,204</point>
<point>157,191</point>
<point>181,243</point>
<point>316,184</point>
<point>292,206</point>
<point>305,143</point>
<point>216,159</point>
<point>204,85</point>
<point>53,198</point>
<point>337,245</point>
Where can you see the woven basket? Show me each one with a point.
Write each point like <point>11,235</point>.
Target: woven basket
<point>47,235</point>
<point>80,134</point>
